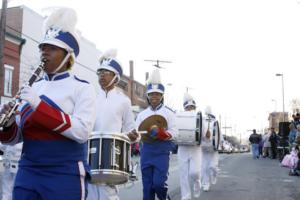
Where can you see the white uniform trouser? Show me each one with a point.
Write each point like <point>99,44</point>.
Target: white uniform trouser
<point>209,166</point>
<point>8,180</point>
<point>102,192</point>
<point>189,158</point>
<point>11,156</point>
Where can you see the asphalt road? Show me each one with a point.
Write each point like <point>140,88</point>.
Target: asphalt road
<point>240,178</point>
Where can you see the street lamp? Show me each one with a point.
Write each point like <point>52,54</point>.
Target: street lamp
<point>282,95</point>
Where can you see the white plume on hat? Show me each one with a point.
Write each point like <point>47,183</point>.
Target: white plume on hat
<point>59,30</point>
<point>154,83</point>
<point>111,53</point>
<point>208,110</point>
<point>154,77</point>
<point>188,100</point>
<point>64,19</point>
<point>187,97</point>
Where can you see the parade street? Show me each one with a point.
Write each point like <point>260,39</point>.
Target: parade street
<point>240,177</point>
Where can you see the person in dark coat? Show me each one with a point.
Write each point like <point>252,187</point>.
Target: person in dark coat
<point>274,142</point>
<point>255,140</point>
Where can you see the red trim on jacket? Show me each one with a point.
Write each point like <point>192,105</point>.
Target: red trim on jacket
<point>49,117</point>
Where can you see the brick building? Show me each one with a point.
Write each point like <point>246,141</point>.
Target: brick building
<point>134,90</point>
<point>276,117</point>
<point>12,50</point>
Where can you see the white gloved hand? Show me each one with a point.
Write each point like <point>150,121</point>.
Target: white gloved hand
<point>29,95</point>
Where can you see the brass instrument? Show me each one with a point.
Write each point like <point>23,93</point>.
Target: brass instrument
<point>15,102</point>
<point>153,120</point>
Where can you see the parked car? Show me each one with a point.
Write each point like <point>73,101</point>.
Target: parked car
<point>244,148</point>
<point>226,147</point>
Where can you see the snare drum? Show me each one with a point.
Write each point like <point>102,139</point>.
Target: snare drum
<point>109,158</point>
<point>189,124</point>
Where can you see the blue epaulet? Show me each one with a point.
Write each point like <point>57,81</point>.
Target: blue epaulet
<point>84,81</point>
<point>170,109</point>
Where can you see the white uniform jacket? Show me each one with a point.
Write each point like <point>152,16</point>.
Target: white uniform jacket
<point>114,113</point>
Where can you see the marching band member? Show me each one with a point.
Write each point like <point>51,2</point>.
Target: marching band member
<point>209,150</point>
<point>189,158</point>
<point>11,156</point>
<point>155,156</point>
<point>54,120</point>
<point>114,115</point>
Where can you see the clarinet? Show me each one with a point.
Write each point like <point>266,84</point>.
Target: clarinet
<point>15,102</point>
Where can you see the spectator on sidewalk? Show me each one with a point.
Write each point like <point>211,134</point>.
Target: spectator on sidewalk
<point>292,133</point>
<point>296,170</point>
<point>254,140</point>
<point>290,160</point>
<point>267,145</point>
<point>260,147</point>
<point>274,142</point>
<point>296,119</point>
<point>135,149</point>
<point>297,136</point>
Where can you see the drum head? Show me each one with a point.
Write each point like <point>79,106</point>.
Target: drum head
<point>189,124</point>
<point>108,177</point>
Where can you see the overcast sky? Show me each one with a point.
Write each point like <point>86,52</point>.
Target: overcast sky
<point>226,52</point>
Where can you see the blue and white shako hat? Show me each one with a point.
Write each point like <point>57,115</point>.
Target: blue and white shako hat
<point>188,100</point>
<point>109,62</point>
<point>154,83</point>
<point>59,30</point>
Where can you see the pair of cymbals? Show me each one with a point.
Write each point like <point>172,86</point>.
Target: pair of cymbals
<point>153,120</point>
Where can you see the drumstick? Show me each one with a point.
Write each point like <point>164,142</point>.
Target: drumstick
<point>142,132</point>
<point>139,132</point>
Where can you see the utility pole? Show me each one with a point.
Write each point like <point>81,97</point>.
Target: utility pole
<point>282,95</point>
<point>187,89</point>
<point>131,76</point>
<point>2,40</point>
<point>157,62</point>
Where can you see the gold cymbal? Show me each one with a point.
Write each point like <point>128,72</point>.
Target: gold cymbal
<point>150,121</point>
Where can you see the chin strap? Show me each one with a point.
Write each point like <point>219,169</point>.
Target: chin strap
<point>62,63</point>
<point>111,82</point>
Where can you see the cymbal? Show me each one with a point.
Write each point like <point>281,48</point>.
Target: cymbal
<point>157,120</point>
